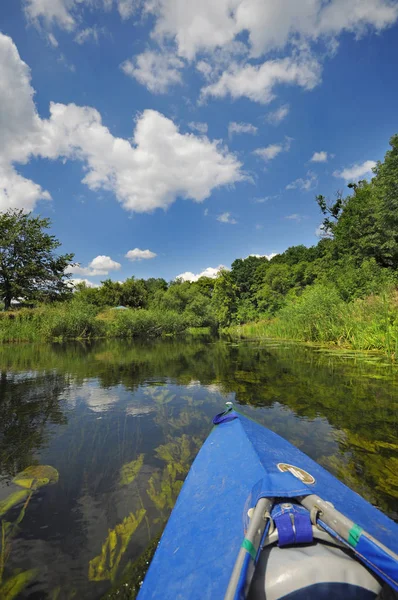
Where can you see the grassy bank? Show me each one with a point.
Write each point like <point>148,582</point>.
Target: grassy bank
<point>320,315</point>
<point>80,321</point>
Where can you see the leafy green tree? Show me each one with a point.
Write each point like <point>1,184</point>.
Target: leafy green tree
<point>243,272</point>
<point>225,298</point>
<point>110,293</point>
<point>205,286</point>
<point>386,186</point>
<point>29,267</point>
<point>154,285</point>
<point>134,293</point>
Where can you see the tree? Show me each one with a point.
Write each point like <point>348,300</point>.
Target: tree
<point>110,293</point>
<point>386,186</point>
<point>29,266</point>
<point>134,293</point>
<point>225,298</point>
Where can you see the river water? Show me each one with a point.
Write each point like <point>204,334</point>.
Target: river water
<point>120,424</point>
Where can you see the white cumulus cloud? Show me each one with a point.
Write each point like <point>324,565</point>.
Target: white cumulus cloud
<point>211,272</point>
<point>100,265</point>
<point>270,152</point>
<point>204,26</point>
<point>321,156</point>
<point>212,33</point>
<point>226,218</point>
<point>258,82</point>
<point>267,256</point>
<point>306,184</point>
<point>357,171</point>
<point>158,165</point>
<point>103,264</point>
<point>157,71</point>
<point>238,128</point>
<point>138,254</point>
<point>75,281</point>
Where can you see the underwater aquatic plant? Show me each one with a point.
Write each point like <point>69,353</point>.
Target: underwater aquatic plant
<point>130,470</point>
<point>31,479</point>
<point>13,586</point>
<point>36,477</point>
<point>105,565</point>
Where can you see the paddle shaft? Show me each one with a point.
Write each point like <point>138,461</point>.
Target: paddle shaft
<point>253,537</point>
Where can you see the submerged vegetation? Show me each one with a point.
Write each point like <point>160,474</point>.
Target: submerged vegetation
<point>342,291</point>
<point>123,421</point>
<point>31,479</point>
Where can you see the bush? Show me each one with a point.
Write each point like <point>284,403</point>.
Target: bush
<point>317,315</point>
<point>146,323</point>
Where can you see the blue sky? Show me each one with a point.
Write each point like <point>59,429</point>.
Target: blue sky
<point>169,136</point>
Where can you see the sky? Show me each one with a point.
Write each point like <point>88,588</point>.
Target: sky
<point>170,137</point>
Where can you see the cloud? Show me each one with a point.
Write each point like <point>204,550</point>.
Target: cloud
<point>148,172</point>
<point>100,265</point>
<point>53,40</point>
<point>126,8</point>
<point>204,26</point>
<point>270,152</point>
<point>200,127</point>
<point>138,254</point>
<point>257,82</point>
<point>321,156</point>
<point>357,171</point>
<point>321,233</point>
<point>295,217</point>
<point>267,256</point>
<point>265,199</point>
<point>211,272</point>
<point>88,33</point>
<point>304,184</point>
<point>206,212</point>
<point>277,116</point>
<point>52,12</point>
<point>238,128</point>
<point>212,33</point>
<point>155,70</point>
<point>226,218</point>
<point>67,14</point>
<point>103,264</point>
<point>74,282</point>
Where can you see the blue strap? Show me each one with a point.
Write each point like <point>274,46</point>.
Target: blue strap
<point>302,532</point>
<point>225,416</point>
<point>302,523</point>
<point>285,530</point>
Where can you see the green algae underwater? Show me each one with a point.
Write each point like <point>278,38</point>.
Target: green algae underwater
<point>96,440</point>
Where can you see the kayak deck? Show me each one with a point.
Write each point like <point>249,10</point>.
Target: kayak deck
<point>200,544</point>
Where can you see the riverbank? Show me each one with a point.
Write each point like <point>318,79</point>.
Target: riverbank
<point>364,324</point>
<point>70,321</point>
<point>318,315</point>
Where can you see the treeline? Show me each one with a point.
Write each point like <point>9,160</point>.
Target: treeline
<point>320,291</point>
<point>341,290</point>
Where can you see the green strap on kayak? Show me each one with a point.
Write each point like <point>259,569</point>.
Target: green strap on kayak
<point>248,546</point>
<point>354,534</point>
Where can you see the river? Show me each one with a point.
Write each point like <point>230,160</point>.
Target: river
<point>120,423</point>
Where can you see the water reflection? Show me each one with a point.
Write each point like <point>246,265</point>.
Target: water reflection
<point>121,424</point>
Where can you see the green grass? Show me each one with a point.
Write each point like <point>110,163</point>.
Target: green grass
<point>319,315</point>
<point>74,320</point>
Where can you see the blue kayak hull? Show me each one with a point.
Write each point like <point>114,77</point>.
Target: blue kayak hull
<point>200,543</point>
